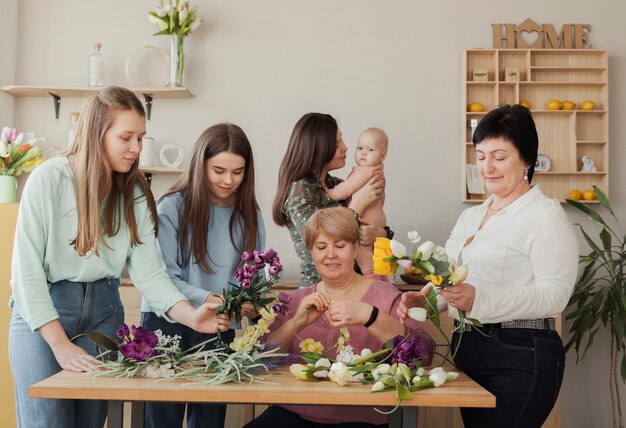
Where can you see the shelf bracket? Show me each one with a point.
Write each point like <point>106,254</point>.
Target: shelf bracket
<point>57,104</point>
<point>148,99</point>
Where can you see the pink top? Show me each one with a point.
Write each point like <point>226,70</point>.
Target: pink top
<point>358,177</point>
<point>381,294</point>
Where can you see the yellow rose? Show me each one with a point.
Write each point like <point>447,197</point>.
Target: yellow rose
<point>435,279</point>
<point>309,345</point>
<point>382,250</point>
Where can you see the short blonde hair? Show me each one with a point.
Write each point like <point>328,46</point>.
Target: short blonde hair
<point>336,221</point>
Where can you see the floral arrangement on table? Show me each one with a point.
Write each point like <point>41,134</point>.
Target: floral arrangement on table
<point>395,367</point>
<point>17,154</point>
<point>176,18</point>
<point>253,285</point>
<point>442,271</point>
<point>144,353</point>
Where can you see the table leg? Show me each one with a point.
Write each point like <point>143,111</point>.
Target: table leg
<point>115,416</point>
<point>137,413</point>
<point>409,417</point>
<point>404,417</point>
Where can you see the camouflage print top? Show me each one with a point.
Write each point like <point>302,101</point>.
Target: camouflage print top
<point>304,198</point>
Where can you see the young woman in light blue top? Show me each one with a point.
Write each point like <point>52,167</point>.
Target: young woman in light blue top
<point>82,218</point>
<point>205,221</point>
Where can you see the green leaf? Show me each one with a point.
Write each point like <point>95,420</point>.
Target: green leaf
<point>605,237</point>
<point>623,368</point>
<point>427,266</point>
<point>311,357</point>
<point>433,312</point>
<point>102,340</point>
<point>402,392</point>
<point>604,201</point>
<point>587,211</point>
<point>474,322</point>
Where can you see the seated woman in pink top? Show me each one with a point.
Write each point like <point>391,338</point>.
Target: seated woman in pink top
<point>371,150</point>
<point>342,298</point>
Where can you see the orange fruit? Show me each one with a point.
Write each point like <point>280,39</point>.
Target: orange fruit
<point>568,105</point>
<point>554,105</point>
<point>525,104</point>
<point>576,195</point>
<point>587,105</point>
<point>475,107</point>
<point>589,195</point>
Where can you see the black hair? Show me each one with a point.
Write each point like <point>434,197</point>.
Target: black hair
<point>515,124</point>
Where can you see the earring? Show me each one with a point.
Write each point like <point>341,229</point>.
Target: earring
<point>526,174</point>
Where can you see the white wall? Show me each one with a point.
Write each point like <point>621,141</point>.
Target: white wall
<point>262,64</point>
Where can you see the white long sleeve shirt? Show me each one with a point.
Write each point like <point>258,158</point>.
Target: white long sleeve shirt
<point>523,262</point>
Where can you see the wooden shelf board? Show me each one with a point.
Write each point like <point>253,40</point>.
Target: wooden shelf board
<point>564,68</point>
<point>560,83</point>
<point>598,142</point>
<point>83,91</point>
<point>160,170</point>
<point>487,83</point>
<point>569,173</point>
<point>568,111</point>
<point>480,201</point>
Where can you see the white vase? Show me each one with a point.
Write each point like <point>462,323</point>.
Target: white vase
<point>147,152</point>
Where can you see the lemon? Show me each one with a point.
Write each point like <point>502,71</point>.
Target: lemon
<point>554,105</point>
<point>589,195</point>
<point>475,107</point>
<point>576,195</point>
<point>587,105</point>
<point>525,104</point>
<point>568,105</point>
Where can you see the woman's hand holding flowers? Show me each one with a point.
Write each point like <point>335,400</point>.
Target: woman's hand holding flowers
<point>411,299</point>
<point>348,312</point>
<point>310,309</point>
<point>204,319</point>
<point>460,296</point>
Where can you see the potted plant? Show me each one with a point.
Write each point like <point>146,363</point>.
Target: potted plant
<point>599,297</point>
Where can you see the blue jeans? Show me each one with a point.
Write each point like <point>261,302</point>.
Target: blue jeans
<point>81,306</point>
<point>523,368</point>
<point>170,415</point>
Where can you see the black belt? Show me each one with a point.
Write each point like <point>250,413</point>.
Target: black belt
<point>538,324</point>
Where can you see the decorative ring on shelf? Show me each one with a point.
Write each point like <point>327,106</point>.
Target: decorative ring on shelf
<point>179,156</point>
<point>163,55</point>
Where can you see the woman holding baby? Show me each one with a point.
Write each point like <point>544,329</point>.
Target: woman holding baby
<point>316,148</point>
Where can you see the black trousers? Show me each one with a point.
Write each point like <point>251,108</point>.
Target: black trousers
<point>276,416</point>
<point>523,368</point>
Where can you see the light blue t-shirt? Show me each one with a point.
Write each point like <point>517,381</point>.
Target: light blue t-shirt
<point>224,258</point>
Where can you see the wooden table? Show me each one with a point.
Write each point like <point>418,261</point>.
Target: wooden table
<point>281,388</point>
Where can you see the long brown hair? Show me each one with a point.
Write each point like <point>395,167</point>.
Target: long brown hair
<point>312,145</point>
<point>194,187</point>
<point>97,184</point>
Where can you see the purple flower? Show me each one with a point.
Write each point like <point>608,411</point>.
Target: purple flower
<point>123,332</point>
<point>247,256</point>
<point>273,270</point>
<point>284,298</point>
<point>277,265</point>
<point>246,283</point>
<point>142,344</point>
<point>238,275</point>
<point>269,254</point>
<point>248,271</point>
<point>408,351</point>
<point>279,308</point>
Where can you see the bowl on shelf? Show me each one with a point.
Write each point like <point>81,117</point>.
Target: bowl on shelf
<point>414,279</point>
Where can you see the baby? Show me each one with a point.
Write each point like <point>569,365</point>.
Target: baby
<point>371,150</point>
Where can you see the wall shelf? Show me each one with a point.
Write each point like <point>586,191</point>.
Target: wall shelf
<point>58,92</point>
<point>565,136</point>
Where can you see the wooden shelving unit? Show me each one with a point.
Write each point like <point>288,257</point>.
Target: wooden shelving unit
<point>58,92</point>
<point>564,135</point>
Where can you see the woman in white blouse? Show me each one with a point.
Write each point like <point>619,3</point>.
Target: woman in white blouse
<point>522,255</point>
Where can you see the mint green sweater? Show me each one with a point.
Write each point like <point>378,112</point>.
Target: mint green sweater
<point>42,253</point>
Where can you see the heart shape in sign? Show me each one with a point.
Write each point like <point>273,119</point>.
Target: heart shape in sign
<point>530,38</point>
<point>165,157</point>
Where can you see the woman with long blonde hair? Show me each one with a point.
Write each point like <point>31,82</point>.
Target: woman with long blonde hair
<point>84,217</point>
